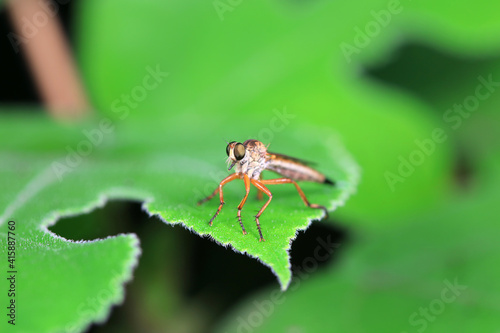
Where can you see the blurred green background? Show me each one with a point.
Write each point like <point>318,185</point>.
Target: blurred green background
<point>386,76</point>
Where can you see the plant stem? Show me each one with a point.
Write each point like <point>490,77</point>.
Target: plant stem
<point>49,56</point>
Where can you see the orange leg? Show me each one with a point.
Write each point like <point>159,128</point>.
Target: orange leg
<point>260,194</point>
<point>260,186</point>
<point>219,189</point>
<point>301,193</point>
<point>240,206</point>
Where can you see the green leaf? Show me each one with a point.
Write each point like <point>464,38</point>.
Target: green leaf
<point>71,170</point>
<point>434,273</point>
<point>58,285</point>
<point>291,57</point>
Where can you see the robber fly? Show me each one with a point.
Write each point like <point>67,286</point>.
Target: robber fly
<point>251,158</point>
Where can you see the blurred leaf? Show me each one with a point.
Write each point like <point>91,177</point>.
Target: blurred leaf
<point>454,26</point>
<point>291,57</point>
<point>64,171</point>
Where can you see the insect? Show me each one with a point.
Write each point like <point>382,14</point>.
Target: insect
<point>251,158</point>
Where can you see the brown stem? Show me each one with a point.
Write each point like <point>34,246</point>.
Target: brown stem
<point>47,51</point>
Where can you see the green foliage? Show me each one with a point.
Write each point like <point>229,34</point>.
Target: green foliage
<point>434,273</point>
<point>274,71</point>
<point>291,59</point>
<point>77,169</point>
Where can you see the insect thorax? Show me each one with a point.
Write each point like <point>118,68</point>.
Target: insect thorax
<point>254,161</point>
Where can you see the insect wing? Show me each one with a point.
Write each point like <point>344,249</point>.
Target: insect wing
<point>286,157</point>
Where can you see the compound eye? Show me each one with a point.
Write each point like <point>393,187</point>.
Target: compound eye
<point>239,151</point>
<point>228,148</point>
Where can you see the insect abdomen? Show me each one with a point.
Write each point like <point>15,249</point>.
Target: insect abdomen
<point>296,171</point>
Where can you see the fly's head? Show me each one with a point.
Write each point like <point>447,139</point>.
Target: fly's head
<point>236,153</point>
<point>249,157</point>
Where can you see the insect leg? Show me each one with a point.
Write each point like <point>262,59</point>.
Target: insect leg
<point>240,206</point>
<point>260,194</point>
<point>202,201</point>
<point>301,193</point>
<point>260,186</point>
<point>219,189</point>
